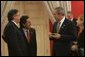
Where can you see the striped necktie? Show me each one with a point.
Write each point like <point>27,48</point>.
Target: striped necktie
<point>58,27</point>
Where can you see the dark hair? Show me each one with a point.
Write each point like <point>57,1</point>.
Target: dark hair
<point>11,13</point>
<point>23,20</point>
<point>69,12</point>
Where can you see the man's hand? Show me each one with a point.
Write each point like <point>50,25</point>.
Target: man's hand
<point>55,35</point>
<point>74,47</point>
<point>50,34</point>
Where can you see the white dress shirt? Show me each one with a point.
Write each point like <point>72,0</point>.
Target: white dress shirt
<point>61,22</point>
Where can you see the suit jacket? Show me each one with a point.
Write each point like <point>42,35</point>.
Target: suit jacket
<point>15,41</point>
<point>32,45</point>
<point>68,33</point>
<point>74,20</point>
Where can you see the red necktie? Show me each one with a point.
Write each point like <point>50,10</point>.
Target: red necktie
<point>28,36</point>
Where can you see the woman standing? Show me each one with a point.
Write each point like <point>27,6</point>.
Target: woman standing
<point>80,24</point>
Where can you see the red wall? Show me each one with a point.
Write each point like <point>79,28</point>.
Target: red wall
<point>77,8</point>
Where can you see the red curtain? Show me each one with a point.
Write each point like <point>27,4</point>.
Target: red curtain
<point>77,8</point>
<point>50,30</point>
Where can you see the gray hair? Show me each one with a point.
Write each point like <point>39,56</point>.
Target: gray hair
<point>60,10</point>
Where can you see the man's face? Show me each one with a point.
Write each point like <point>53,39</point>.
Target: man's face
<point>58,16</point>
<point>27,24</point>
<point>17,17</point>
<point>69,16</point>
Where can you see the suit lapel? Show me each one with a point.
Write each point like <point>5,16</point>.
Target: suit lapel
<point>30,32</point>
<point>23,33</point>
<point>63,26</point>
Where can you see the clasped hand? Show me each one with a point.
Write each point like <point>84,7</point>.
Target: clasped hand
<point>54,35</point>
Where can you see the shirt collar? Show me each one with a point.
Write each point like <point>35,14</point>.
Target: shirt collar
<point>62,20</point>
<point>71,19</point>
<point>15,23</point>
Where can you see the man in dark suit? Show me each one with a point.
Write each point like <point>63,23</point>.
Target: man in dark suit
<point>64,32</point>
<point>12,36</point>
<point>74,43</point>
<point>29,34</point>
<point>70,17</point>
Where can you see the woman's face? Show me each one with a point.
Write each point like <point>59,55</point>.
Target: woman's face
<point>79,22</point>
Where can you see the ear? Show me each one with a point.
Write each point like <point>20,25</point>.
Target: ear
<point>13,17</point>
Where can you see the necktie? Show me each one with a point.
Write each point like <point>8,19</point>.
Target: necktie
<point>28,36</point>
<point>58,27</point>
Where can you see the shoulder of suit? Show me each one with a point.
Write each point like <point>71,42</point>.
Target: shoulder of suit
<point>9,24</point>
<point>32,29</point>
<point>68,20</point>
